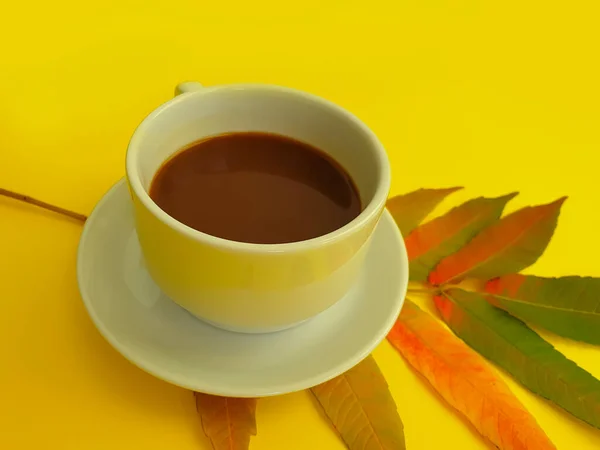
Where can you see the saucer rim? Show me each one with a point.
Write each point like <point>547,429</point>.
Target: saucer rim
<point>196,384</point>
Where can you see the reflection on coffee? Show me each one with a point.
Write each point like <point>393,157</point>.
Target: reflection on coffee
<point>256,187</point>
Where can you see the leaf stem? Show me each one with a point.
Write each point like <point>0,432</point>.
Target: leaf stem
<point>41,204</point>
<point>422,291</point>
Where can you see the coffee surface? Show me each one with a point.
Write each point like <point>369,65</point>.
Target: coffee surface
<point>257,188</point>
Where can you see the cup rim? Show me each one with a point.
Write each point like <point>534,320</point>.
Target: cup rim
<point>375,206</point>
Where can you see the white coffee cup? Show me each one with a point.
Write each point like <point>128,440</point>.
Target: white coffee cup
<point>243,286</point>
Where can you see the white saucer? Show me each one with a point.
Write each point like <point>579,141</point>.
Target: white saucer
<point>166,341</point>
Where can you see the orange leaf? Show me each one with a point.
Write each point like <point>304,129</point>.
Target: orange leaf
<point>410,209</point>
<point>508,246</point>
<point>465,381</point>
<point>361,408</point>
<point>428,244</point>
<point>227,422</point>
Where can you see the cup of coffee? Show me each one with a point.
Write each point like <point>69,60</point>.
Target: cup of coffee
<point>255,204</point>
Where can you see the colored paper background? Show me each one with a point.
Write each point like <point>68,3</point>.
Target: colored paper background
<point>495,96</point>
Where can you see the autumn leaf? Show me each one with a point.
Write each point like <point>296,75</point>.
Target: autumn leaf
<point>520,351</point>
<point>509,246</point>
<point>465,381</point>
<point>568,306</point>
<point>361,408</point>
<point>410,209</point>
<point>227,422</point>
<point>428,244</point>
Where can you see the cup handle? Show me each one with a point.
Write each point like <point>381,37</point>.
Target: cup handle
<point>188,86</point>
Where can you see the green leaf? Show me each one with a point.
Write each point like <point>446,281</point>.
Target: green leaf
<point>410,209</point>
<point>520,351</point>
<point>568,306</point>
<point>361,408</point>
<point>508,246</point>
<point>428,244</point>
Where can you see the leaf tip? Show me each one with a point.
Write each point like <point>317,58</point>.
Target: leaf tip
<point>510,196</point>
<point>555,205</point>
<point>561,200</point>
<point>504,199</point>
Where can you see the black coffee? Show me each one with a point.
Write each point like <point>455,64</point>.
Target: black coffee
<point>256,187</point>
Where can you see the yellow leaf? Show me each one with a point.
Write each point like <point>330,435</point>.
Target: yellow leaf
<point>361,408</point>
<point>410,209</point>
<point>227,422</point>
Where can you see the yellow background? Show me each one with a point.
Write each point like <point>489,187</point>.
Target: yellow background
<point>493,95</point>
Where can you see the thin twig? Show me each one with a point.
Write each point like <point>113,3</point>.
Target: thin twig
<point>41,204</point>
